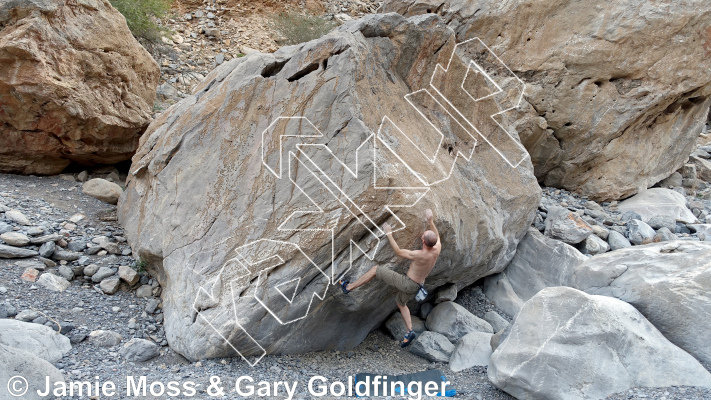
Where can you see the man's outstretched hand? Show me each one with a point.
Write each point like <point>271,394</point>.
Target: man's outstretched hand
<point>428,215</point>
<point>388,230</point>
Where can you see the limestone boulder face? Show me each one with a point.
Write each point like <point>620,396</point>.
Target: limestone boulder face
<point>567,345</point>
<point>609,89</point>
<point>74,85</point>
<point>669,283</point>
<point>235,216</point>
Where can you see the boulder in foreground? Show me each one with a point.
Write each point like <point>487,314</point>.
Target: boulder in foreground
<point>567,345</point>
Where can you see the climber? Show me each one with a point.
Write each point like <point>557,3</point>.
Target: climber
<point>408,285</point>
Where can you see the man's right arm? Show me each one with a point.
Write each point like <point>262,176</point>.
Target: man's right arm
<point>430,219</point>
<point>398,251</point>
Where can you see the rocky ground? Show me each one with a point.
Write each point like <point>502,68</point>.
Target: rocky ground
<point>50,203</point>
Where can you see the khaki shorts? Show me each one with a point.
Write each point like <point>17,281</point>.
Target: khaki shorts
<point>406,287</point>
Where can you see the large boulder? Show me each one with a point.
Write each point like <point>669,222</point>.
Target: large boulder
<point>593,121</point>
<point>454,321</point>
<point>566,344</point>
<point>74,85</point>
<point>36,371</point>
<point>540,262</point>
<point>242,245</point>
<point>40,340</point>
<point>669,283</point>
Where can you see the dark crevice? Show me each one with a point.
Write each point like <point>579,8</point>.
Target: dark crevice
<point>273,68</point>
<point>309,69</point>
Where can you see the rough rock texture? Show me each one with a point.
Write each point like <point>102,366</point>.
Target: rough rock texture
<point>455,321</point>
<point>472,349</point>
<point>670,283</point>
<point>432,346</point>
<point>658,202</point>
<point>74,85</point>
<point>591,115</point>
<point>540,262</point>
<point>103,190</point>
<point>14,362</point>
<point>540,358</point>
<point>39,340</point>
<point>206,214</point>
<point>562,224</point>
<point>139,350</point>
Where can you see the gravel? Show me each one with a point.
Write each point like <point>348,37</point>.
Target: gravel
<point>49,202</point>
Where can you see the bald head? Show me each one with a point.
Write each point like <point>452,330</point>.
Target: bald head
<point>429,238</point>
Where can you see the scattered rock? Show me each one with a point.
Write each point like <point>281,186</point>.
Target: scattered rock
<point>15,252</point>
<point>144,291</point>
<point>593,245</point>
<point>15,239</point>
<point>640,233</point>
<point>617,241</point>
<point>556,329</point>
<point>110,285</point>
<point>101,274</point>
<point>496,321</point>
<point>53,282</point>
<point>139,350</point>
<point>447,292</point>
<point>128,275</point>
<point>454,321</point>
<point>65,272</point>
<point>103,190</point>
<point>30,274</point>
<point>432,346</point>
<point>47,249</point>
<point>103,338</point>
<point>471,350</point>
<point>60,254</point>
<point>17,216</point>
<point>566,226</point>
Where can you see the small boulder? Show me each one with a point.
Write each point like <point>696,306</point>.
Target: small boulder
<point>103,190</point>
<point>447,292</point>
<point>617,241</point>
<point>639,232</point>
<point>110,285</point>
<point>471,350</point>
<point>53,282</point>
<point>564,225</point>
<point>454,321</point>
<point>593,245</point>
<point>15,252</point>
<point>139,350</point>
<point>496,321</point>
<point>17,216</point>
<point>144,291</point>
<point>101,274</point>
<point>432,346</point>
<point>15,239</point>
<point>128,275</point>
<point>47,249</point>
<point>66,272</point>
<point>104,338</point>
<point>30,274</point>
<point>60,254</point>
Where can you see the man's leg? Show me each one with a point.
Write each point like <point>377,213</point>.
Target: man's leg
<point>367,277</point>
<point>406,316</point>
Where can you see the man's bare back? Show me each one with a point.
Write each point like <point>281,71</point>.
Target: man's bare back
<point>422,260</point>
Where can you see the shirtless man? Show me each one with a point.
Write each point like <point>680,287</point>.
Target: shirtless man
<point>422,263</point>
